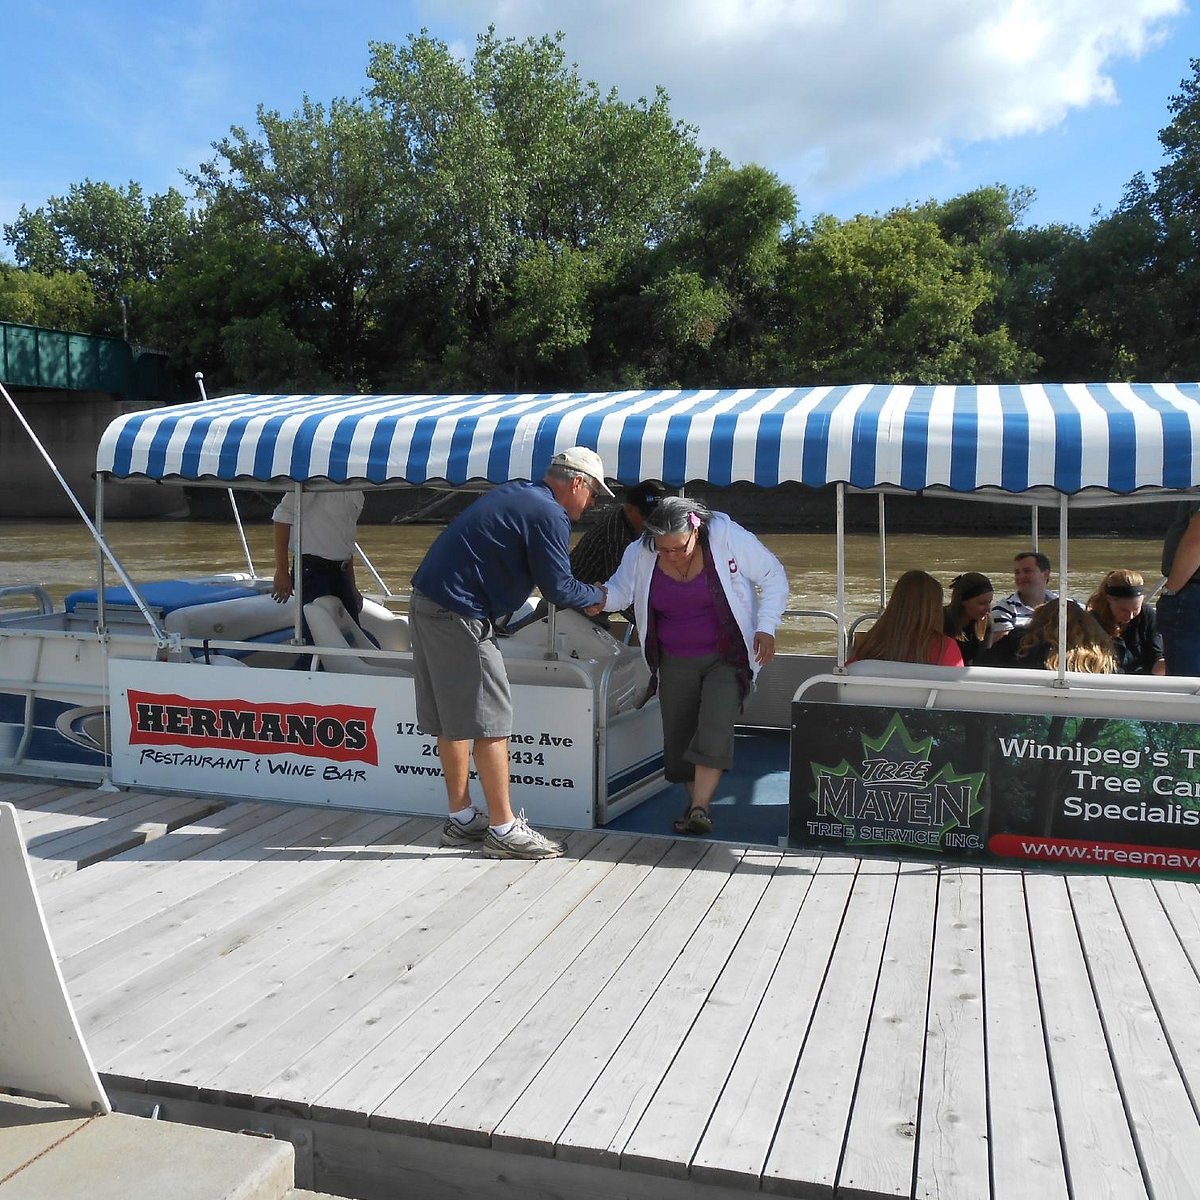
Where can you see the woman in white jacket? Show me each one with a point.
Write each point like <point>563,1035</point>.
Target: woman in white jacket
<point>707,596</point>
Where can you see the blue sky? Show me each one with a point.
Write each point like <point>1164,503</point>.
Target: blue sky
<point>861,105</point>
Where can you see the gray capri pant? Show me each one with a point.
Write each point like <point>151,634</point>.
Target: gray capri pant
<point>698,700</point>
<point>462,686</point>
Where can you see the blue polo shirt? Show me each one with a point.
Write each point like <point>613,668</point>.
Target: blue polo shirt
<point>489,558</point>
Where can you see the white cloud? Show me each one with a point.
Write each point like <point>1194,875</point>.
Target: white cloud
<point>830,95</point>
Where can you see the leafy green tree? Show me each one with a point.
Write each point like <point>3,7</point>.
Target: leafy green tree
<point>523,177</point>
<point>61,300</point>
<point>318,186</point>
<point>231,271</point>
<point>117,237</point>
<point>890,300</point>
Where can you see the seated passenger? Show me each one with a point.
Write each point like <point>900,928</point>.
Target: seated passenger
<point>910,628</point>
<point>1031,574</point>
<point>969,614</point>
<point>1089,648</point>
<point>1119,606</point>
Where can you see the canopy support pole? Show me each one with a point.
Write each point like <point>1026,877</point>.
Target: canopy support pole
<point>882,555</point>
<point>1062,590</point>
<point>298,571</point>
<point>841,575</point>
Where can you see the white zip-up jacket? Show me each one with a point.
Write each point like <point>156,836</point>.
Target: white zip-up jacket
<point>754,580</point>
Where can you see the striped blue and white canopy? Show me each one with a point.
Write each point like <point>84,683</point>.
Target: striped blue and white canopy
<point>1119,438</point>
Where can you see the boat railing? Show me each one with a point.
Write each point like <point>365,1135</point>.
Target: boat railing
<point>912,685</point>
<point>35,592</point>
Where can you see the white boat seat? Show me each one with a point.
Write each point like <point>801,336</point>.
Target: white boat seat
<point>389,629</point>
<point>238,620</point>
<point>332,626</point>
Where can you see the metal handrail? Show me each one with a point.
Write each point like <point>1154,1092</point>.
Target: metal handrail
<point>34,591</point>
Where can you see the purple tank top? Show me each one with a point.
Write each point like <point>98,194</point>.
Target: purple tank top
<point>685,618</point>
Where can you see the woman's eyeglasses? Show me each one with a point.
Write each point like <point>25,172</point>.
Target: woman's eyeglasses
<point>676,549</point>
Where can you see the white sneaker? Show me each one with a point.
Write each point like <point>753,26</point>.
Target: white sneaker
<point>460,833</point>
<point>520,842</point>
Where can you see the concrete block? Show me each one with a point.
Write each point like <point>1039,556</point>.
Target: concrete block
<point>49,1152</point>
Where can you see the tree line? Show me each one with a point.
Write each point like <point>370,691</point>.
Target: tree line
<point>500,224</point>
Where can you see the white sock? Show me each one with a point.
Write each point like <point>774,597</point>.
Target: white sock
<point>501,830</point>
<point>465,816</point>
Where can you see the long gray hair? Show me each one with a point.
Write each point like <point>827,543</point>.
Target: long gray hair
<point>674,514</point>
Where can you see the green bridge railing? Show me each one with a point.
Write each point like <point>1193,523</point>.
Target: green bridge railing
<point>55,360</point>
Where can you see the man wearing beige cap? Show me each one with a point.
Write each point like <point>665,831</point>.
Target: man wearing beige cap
<point>482,567</point>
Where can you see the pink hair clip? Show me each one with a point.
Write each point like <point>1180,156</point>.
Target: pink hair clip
<point>694,520</point>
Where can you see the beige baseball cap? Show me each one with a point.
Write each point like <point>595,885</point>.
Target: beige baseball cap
<point>580,458</point>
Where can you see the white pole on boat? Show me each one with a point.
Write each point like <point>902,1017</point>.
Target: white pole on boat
<point>233,504</point>
<point>106,783</point>
<point>841,575</point>
<point>1062,590</point>
<point>882,555</point>
<point>237,520</point>
<point>160,637</point>
<point>298,571</point>
<point>383,587</point>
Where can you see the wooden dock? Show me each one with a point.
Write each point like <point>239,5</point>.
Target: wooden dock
<point>644,1017</point>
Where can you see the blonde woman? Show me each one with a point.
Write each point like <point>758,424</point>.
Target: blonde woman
<point>1119,605</point>
<point>1089,648</point>
<point>910,628</point>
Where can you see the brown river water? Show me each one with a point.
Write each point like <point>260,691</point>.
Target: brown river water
<point>61,556</point>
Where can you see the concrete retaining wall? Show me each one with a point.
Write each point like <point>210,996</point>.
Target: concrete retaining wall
<point>69,425</point>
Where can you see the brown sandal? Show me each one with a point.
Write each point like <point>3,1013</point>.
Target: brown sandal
<point>695,820</point>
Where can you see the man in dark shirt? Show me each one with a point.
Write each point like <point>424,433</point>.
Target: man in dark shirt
<point>598,553</point>
<point>482,566</point>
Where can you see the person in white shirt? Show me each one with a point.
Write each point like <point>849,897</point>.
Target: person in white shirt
<point>326,551</point>
<point>1031,574</point>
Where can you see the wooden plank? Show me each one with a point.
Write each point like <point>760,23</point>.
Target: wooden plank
<point>34,795</point>
<point>952,1137</point>
<point>1168,971</point>
<point>1181,903</point>
<point>173,868</point>
<point>1027,1156</point>
<point>1097,1144</point>
<point>630,1016</point>
<point>112,960</point>
<point>85,810</point>
<point>370,989</point>
<point>119,833</point>
<point>699,1068</point>
<point>1159,1106</point>
<point>878,1158</point>
<point>594,893</point>
<point>175,1003</point>
<point>739,1134</point>
<point>563,1060</point>
<point>642,1138</point>
<point>565,951</point>
<point>44,801</point>
<point>810,1131</point>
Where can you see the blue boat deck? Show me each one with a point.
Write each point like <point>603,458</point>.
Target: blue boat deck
<point>751,804</point>
<point>646,1017</point>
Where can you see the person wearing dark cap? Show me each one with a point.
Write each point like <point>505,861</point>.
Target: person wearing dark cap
<point>597,554</point>
<point>480,568</point>
<point>968,616</point>
<point>1119,605</point>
